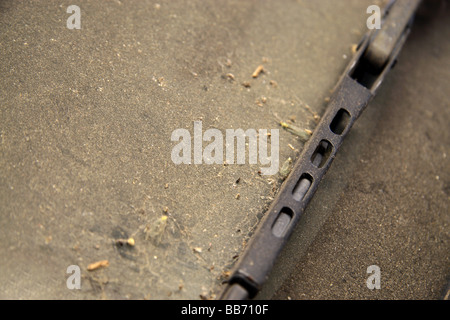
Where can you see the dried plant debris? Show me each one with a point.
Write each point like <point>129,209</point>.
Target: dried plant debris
<point>98,264</point>
<point>197,250</point>
<point>303,134</point>
<point>286,168</point>
<point>261,101</point>
<point>155,230</point>
<point>258,70</point>
<point>230,76</point>
<point>316,117</point>
<point>130,242</point>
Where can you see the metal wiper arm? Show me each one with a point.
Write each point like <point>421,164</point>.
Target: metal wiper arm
<point>375,56</point>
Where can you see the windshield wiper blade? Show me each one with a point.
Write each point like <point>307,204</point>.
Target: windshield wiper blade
<point>375,56</point>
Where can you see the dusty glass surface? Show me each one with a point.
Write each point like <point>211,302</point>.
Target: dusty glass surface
<point>86,123</point>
